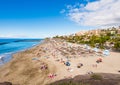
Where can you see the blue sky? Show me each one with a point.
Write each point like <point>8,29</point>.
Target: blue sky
<point>41,18</point>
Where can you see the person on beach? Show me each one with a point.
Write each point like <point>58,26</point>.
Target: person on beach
<point>2,59</point>
<point>52,75</point>
<point>79,65</point>
<point>99,60</point>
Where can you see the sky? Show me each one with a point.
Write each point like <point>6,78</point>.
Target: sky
<point>47,18</point>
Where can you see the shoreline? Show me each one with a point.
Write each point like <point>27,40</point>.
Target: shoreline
<point>54,54</point>
<point>10,54</point>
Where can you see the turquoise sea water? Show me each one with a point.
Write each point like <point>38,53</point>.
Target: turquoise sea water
<point>11,46</point>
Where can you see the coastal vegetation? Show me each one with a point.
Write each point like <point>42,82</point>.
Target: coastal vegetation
<point>103,38</point>
<point>70,83</point>
<point>93,79</point>
<point>96,77</point>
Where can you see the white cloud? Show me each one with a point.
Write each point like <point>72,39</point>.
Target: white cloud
<point>62,11</point>
<point>13,36</point>
<point>98,13</point>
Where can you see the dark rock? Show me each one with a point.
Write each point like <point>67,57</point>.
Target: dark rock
<point>6,83</point>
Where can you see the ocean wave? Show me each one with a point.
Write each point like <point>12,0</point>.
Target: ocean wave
<point>3,43</point>
<point>6,57</point>
<point>6,54</point>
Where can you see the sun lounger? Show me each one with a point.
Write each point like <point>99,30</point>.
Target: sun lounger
<point>35,59</point>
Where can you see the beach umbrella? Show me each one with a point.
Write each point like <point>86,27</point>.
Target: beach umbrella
<point>95,49</point>
<point>85,45</point>
<point>67,63</point>
<point>88,47</point>
<point>106,52</point>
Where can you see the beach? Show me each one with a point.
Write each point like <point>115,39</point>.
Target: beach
<point>56,59</point>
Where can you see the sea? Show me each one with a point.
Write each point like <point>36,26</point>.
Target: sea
<point>10,46</point>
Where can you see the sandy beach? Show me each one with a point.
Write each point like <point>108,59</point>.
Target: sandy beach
<point>56,59</point>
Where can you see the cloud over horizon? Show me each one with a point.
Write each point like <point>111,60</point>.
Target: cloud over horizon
<point>97,13</point>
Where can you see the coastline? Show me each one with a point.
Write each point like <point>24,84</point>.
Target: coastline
<point>8,56</point>
<point>25,67</point>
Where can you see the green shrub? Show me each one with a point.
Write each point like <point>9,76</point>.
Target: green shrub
<point>96,77</point>
<point>70,83</point>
